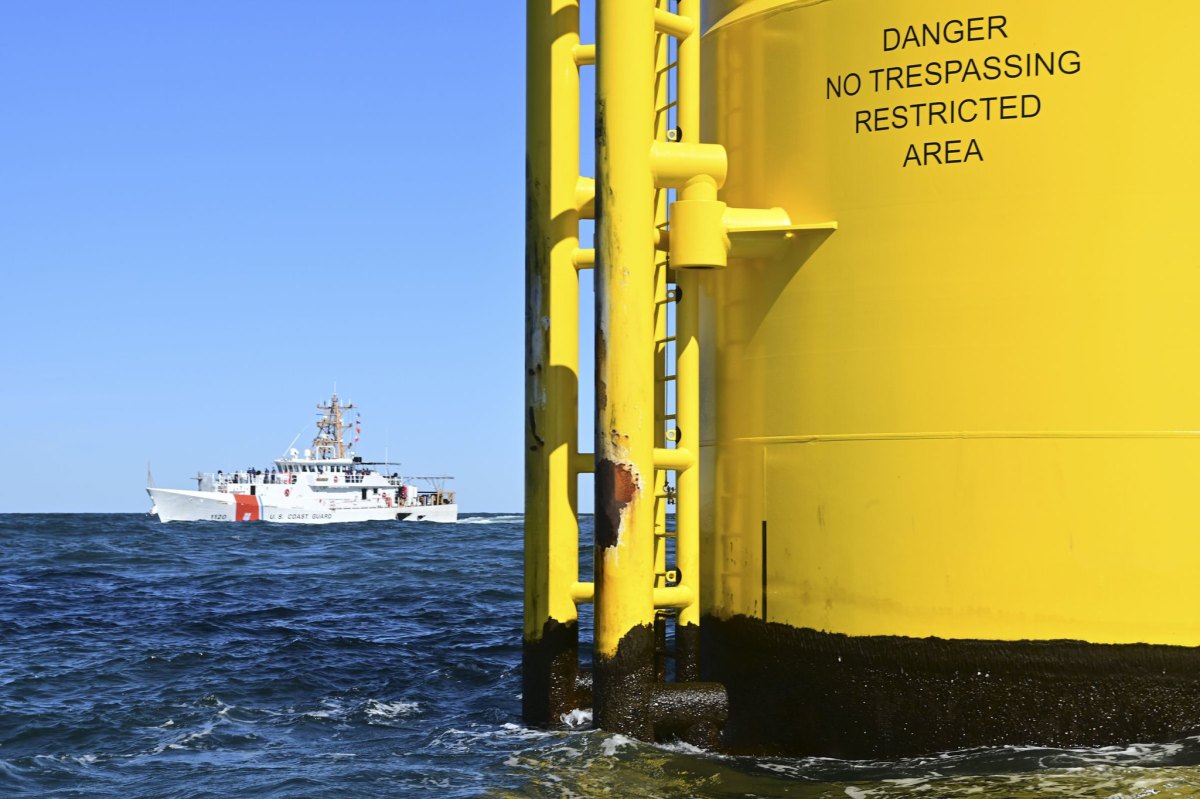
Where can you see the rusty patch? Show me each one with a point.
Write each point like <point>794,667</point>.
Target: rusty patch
<point>616,487</point>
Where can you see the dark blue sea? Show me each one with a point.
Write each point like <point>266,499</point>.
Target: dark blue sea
<point>196,660</point>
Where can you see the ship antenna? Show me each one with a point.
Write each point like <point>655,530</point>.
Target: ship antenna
<point>329,443</point>
<point>295,438</point>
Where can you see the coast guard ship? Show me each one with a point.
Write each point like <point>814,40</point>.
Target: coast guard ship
<point>327,484</point>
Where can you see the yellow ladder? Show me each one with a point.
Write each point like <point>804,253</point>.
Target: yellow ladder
<point>651,250</point>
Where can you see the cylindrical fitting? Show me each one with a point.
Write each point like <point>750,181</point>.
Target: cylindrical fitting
<point>676,163</point>
<point>698,239</point>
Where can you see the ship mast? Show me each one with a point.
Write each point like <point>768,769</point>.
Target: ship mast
<point>328,443</point>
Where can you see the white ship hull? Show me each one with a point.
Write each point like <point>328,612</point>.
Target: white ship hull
<point>330,484</point>
<point>298,505</point>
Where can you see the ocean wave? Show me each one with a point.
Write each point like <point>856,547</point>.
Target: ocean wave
<point>503,518</point>
<point>351,663</point>
<point>376,710</point>
<point>457,740</point>
<point>330,710</point>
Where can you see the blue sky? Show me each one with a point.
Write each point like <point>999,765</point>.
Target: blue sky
<point>210,213</point>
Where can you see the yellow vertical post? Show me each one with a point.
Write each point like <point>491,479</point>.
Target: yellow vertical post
<point>687,381</point>
<point>625,474</point>
<point>551,636</point>
<point>662,52</point>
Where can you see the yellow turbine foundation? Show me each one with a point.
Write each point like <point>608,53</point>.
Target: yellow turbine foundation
<point>969,417</point>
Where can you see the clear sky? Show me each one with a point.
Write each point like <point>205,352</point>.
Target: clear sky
<point>213,212</point>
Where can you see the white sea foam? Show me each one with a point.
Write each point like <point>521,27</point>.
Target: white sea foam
<point>330,709</point>
<point>187,740</point>
<point>685,748</point>
<point>457,740</point>
<point>390,710</point>
<point>615,743</point>
<point>908,782</point>
<point>507,518</point>
<point>577,718</point>
<point>82,760</point>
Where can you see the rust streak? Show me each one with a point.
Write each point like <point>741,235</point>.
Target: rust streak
<point>616,487</point>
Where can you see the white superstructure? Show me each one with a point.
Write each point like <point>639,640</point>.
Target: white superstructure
<point>324,485</point>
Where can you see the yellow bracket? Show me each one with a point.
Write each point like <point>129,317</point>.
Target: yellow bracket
<point>769,242</point>
<point>706,233</point>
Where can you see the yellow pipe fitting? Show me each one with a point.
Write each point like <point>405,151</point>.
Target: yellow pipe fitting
<point>698,238</point>
<point>585,55</point>
<point>675,596</point>
<point>675,164</point>
<point>676,459</point>
<point>673,24</point>
<point>701,187</point>
<point>583,462</point>
<point>584,258</point>
<point>662,239</point>
<point>585,197</point>
<point>583,593</point>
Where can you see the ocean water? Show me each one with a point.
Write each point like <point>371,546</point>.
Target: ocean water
<point>375,660</point>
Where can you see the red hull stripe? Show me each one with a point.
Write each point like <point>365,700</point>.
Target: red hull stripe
<point>247,508</point>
